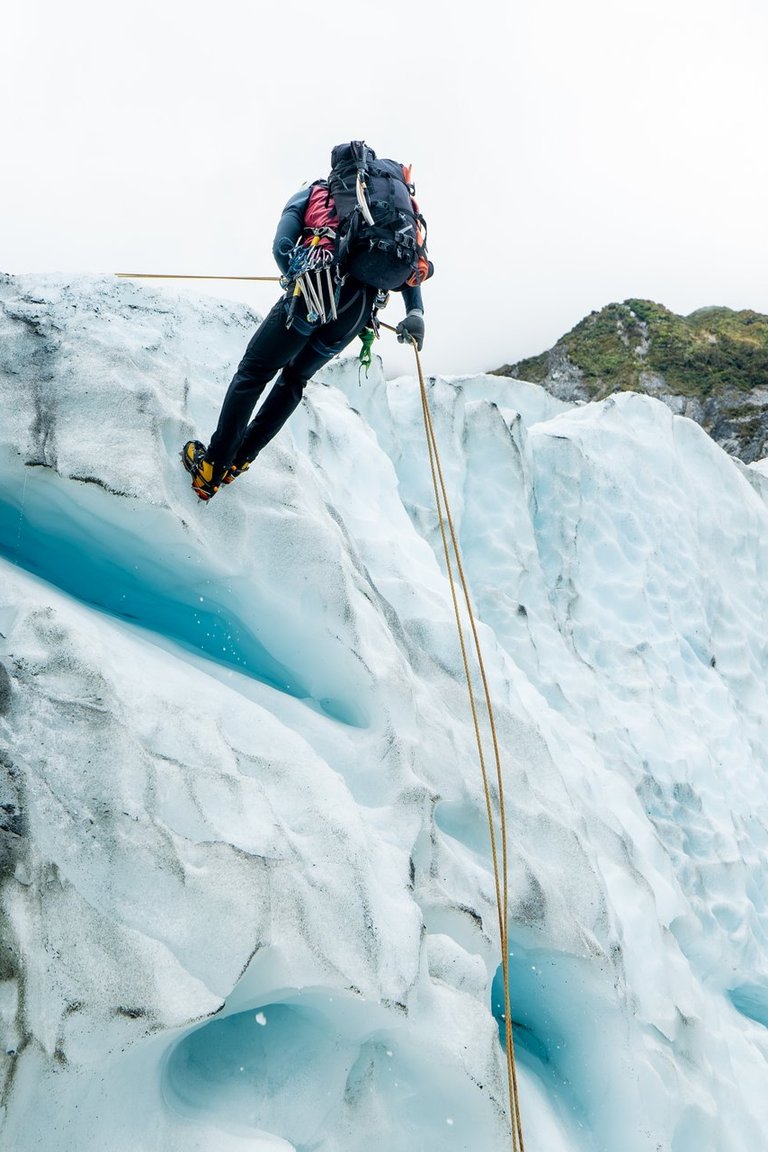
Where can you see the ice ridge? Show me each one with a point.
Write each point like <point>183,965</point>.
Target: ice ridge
<point>247,901</point>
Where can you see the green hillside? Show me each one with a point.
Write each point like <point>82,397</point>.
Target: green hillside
<point>711,366</point>
<point>697,355</point>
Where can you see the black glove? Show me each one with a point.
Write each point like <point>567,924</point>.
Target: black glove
<point>412,328</point>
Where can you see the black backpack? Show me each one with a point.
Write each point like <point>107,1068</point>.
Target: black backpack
<point>381,237</point>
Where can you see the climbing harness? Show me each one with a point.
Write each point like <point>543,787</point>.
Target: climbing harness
<point>500,874</point>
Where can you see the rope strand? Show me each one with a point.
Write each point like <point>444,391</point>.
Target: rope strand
<point>444,516</point>
<point>501,882</point>
<point>187,276</point>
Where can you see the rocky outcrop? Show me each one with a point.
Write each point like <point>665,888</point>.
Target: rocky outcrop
<point>711,366</point>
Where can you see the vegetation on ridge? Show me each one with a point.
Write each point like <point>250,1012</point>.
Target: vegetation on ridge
<point>625,346</point>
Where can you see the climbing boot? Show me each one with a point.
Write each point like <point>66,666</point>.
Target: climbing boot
<point>204,479</point>
<point>234,471</point>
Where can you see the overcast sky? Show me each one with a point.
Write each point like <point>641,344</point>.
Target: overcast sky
<point>566,154</point>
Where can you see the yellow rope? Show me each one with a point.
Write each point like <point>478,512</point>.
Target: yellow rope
<point>502,893</point>
<point>444,516</point>
<point>185,276</point>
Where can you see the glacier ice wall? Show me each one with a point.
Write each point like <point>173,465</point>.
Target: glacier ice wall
<point>245,886</point>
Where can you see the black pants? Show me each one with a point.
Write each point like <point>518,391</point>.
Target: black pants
<point>300,350</point>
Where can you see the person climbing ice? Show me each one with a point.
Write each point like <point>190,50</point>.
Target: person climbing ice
<point>341,245</point>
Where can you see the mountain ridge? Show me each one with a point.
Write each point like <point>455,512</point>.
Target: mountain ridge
<point>710,365</point>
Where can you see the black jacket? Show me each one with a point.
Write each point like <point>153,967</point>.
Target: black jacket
<point>289,230</point>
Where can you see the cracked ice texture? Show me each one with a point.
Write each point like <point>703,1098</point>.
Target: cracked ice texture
<point>246,889</point>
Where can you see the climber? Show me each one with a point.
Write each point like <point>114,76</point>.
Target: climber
<point>341,245</point>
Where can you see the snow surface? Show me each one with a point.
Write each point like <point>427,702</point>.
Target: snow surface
<point>247,902</point>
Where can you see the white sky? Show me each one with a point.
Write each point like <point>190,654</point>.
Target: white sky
<point>566,155</point>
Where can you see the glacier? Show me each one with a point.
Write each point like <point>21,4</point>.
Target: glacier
<point>245,879</point>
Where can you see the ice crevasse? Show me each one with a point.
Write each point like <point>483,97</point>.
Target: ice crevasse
<point>246,895</point>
